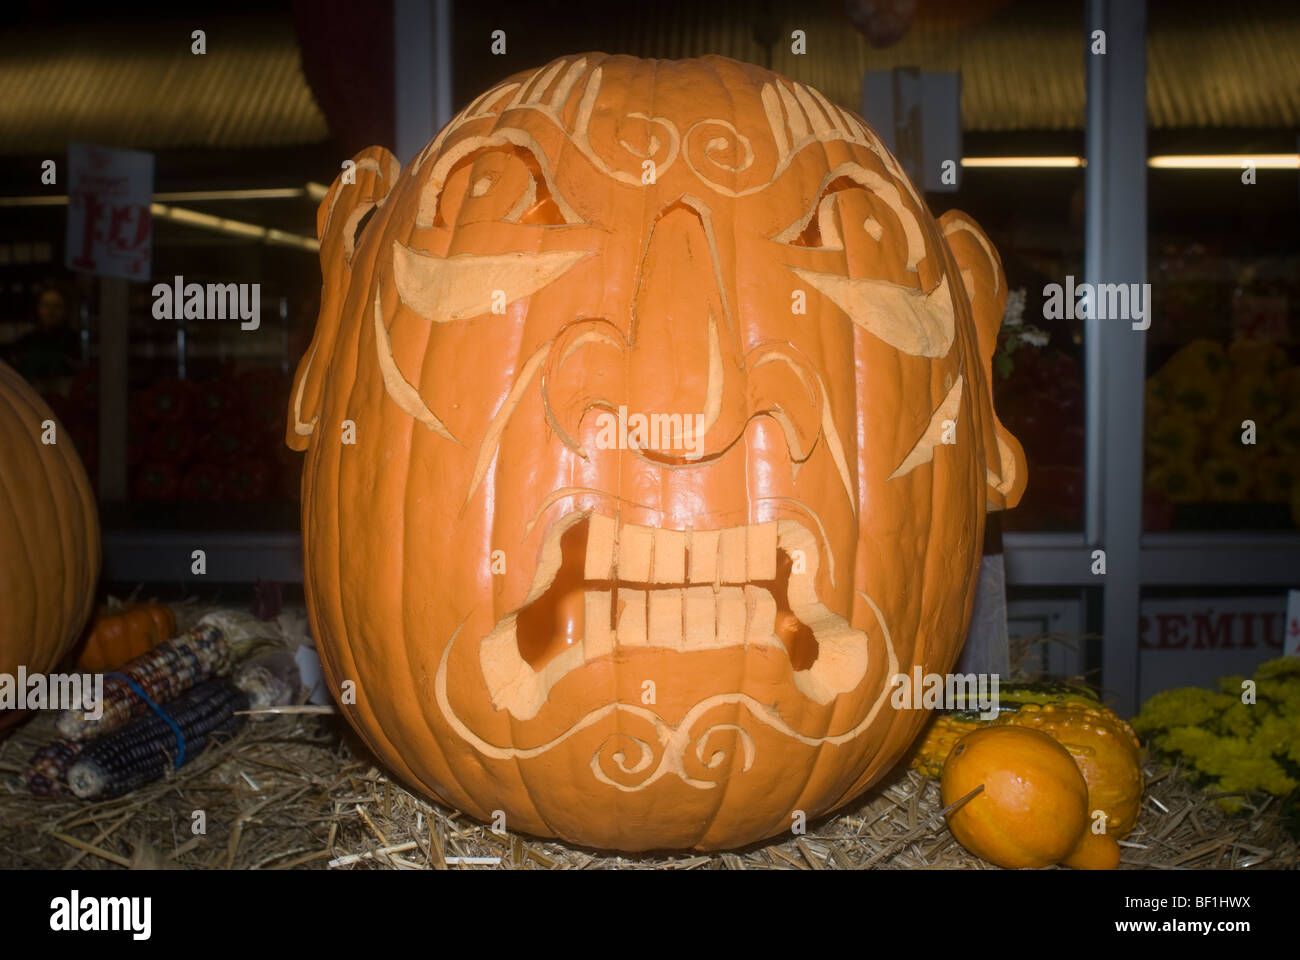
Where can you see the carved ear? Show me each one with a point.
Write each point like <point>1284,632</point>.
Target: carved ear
<point>985,286</point>
<point>356,191</point>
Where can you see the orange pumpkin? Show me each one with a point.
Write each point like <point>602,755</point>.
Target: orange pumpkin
<point>627,491</point>
<point>1033,808</point>
<point>118,637</point>
<point>49,533</point>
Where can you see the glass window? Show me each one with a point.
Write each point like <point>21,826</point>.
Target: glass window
<point>1223,370</point>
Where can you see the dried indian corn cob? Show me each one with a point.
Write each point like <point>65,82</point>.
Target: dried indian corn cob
<point>270,680</point>
<point>147,748</point>
<point>162,673</point>
<point>47,770</point>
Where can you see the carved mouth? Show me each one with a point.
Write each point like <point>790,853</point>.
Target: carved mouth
<point>604,589</point>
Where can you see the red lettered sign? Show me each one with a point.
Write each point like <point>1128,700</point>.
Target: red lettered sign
<point>109,197</point>
<point>1188,642</point>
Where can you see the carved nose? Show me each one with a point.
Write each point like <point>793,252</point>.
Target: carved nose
<point>675,388</point>
<point>684,367</point>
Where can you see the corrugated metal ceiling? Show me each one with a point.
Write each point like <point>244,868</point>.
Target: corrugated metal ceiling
<point>125,85</point>
<point>1022,65</point>
<point>1023,62</point>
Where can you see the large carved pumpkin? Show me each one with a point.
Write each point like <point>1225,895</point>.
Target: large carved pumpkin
<point>639,638</point>
<point>49,534</point>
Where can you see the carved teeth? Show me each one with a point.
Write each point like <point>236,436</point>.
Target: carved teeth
<point>761,609</point>
<point>760,549</point>
<point>694,590</point>
<point>635,545</point>
<point>598,639</point>
<point>670,556</point>
<point>665,621</point>
<point>650,555</point>
<point>699,618</point>
<point>693,618</point>
<point>600,548</point>
<point>731,617</point>
<point>631,618</point>
<point>704,556</point>
<point>731,555</point>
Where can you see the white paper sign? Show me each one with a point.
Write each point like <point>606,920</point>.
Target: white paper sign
<point>110,193</point>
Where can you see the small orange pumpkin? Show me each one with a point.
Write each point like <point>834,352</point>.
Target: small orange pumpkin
<point>117,638</point>
<point>1033,810</point>
<point>1104,748</point>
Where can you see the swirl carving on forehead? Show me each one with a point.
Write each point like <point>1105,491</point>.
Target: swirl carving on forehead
<point>713,148</point>
<point>547,92</point>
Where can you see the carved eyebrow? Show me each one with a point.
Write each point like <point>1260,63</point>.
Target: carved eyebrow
<point>923,450</point>
<point>915,323</point>
<point>882,187</point>
<point>442,289</point>
<point>512,139</point>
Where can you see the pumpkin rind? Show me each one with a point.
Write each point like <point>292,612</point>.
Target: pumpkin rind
<point>1032,810</point>
<point>49,534</point>
<point>431,540</point>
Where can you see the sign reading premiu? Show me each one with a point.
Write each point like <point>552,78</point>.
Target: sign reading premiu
<point>110,194</point>
<point>1194,642</point>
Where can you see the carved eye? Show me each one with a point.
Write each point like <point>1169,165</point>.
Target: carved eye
<point>499,184</point>
<point>822,228</point>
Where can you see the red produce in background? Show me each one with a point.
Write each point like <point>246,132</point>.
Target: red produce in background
<point>156,481</point>
<point>202,482</point>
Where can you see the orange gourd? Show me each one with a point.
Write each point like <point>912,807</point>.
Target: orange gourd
<point>626,491</point>
<point>118,637</point>
<point>1104,748</point>
<point>49,533</point>
<point>1094,851</point>
<point>1033,808</point>
<point>938,739</point>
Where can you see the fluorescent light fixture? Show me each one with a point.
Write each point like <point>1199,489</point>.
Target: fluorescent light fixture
<point>1013,162</point>
<point>58,201</point>
<point>265,193</point>
<point>1218,161</point>
<point>206,221</point>
<point>1228,161</point>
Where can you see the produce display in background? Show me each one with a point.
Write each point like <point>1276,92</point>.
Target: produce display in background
<point>1104,747</point>
<point>1038,391</point>
<point>1196,462</point>
<point>1239,749</point>
<point>49,535</point>
<point>196,441</point>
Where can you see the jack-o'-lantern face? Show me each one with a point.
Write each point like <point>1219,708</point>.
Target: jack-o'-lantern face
<point>649,437</point>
